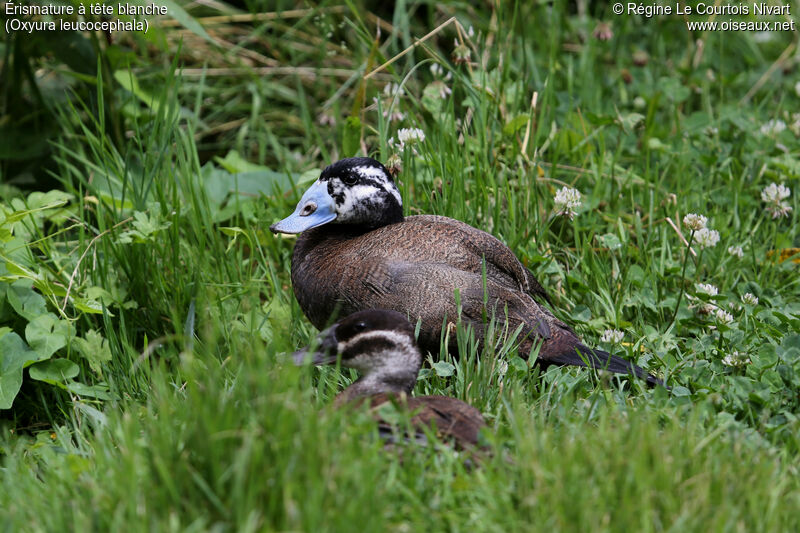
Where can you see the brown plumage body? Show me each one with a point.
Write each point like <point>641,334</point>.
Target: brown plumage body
<point>415,267</point>
<point>452,420</point>
<point>357,252</point>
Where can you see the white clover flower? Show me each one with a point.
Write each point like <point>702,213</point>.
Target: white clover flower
<point>393,89</point>
<point>736,250</point>
<point>461,53</point>
<point>736,359</point>
<point>773,127</point>
<point>603,31</point>
<point>749,298</point>
<point>438,72</point>
<point>613,336</point>
<point>470,32</point>
<point>781,210</point>
<point>795,125</point>
<point>775,193</point>
<point>324,119</point>
<point>707,288</point>
<point>502,368</point>
<point>566,201</point>
<point>703,308</point>
<point>389,106</point>
<point>797,88</point>
<point>723,317</point>
<point>394,116</point>
<point>694,221</point>
<point>707,308</point>
<point>441,89</point>
<point>407,137</point>
<point>410,135</point>
<point>706,238</point>
<point>774,196</point>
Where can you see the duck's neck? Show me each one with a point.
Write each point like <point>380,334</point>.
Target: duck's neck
<point>396,382</point>
<point>397,376</point>
<point>392,215</point>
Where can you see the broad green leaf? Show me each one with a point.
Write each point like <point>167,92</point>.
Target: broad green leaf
<point>18,258</point>
<point>14,356</point>
<point>146,226</point>
<point>609,240</point>
<point>127,79</point>
<point>54,370</point>
<point>518,364</point>
<point>234,163</point>
<point>629,121</point>
<point>94,348</point>
<point>117,203</point>
<point>443,369</point>
<point>515,124</point>
<point>98,391</point>
<point>434,97</point>
<point>89,306</point>
<point>100,294</point>
<point>46,334</point>
<point>232,231</point>
<point>25,301</point>
<point>675,89</point>
<point>36,208</point>
<point>48,200</point>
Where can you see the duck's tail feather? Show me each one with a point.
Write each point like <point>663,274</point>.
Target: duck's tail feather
<point>584,356</point>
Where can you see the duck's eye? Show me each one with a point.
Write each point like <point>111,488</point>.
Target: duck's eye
<point>360,326</point>
<point>349,179</point>
<point>308,209</point>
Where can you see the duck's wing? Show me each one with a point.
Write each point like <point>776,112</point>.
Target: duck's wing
<point>439,294</point>
<point>467,247</point>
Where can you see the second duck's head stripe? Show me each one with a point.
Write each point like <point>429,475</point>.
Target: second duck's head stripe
<point>374,341</point>
<point>366,345</point>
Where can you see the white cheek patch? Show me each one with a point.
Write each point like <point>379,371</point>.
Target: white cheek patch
<point>376,173</point>
<point>355,205</point>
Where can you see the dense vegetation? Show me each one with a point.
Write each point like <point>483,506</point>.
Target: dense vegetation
<point>145,307</point>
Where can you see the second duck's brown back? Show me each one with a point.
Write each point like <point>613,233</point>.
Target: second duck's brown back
<point>452,419</point>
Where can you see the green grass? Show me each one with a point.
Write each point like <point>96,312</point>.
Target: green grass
<point>161,401</point>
